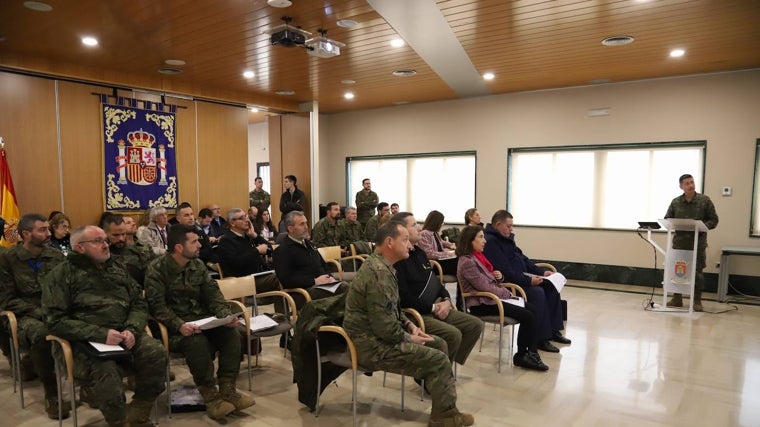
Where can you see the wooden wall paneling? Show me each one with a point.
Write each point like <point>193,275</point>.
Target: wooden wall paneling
<point>81,152</point>
<point>274,125</point>
<point>28,127</point>
<point>187,155</point>
<point>296,155</point>
<point>223,155</point>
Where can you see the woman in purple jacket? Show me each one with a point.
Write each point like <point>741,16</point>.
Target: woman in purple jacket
<point>475,274</point>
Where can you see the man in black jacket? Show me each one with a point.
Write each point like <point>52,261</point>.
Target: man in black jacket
<point>292,199</point>
<point>420,289</point>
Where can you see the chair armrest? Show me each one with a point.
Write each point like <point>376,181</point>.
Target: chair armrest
<point>547,266</point>
<point>304,293</point>
<point>12,325</point>
<point>286,297</point>
<point>354,257</point>
<point>435,264</point>
<point>336,263</point>
<point>68,356</point>
<point>499,305</point>
<point>164,334</point>
<point>349,343</point>
<point>515,289</point>
<point>417,317</point>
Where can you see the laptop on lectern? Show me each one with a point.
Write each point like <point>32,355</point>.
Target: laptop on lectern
<point>652,225</point>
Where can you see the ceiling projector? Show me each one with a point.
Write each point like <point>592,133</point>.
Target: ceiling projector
<point>285,35</point>
<point>322,47</point>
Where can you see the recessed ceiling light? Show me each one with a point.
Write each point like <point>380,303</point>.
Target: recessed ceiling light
<point>38,6</point>
<point>488,76</point>
<point>89,41</point>
<point>347,23</point>
<point>397,42</point>
<point>677,53</point>
<point>177,62</point>
<point>279,3</point>
<point>248,74</point>
<point>253,109</point>
<point>285,92</point>
<point>618,40</point>
<point>404,72</point>
<point>349,95</point>
<point>348,81</point>
<point>169,70</point>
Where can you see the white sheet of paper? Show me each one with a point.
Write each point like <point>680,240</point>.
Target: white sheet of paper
<point>260,322</point>
<point>104,348</point>
<point>519,301</point>
<point>213,322</point>
<point>557,279</point>
<point>330,287</point>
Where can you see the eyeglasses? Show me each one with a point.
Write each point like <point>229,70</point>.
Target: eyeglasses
<point>98,241</point>
<point>239,218</point>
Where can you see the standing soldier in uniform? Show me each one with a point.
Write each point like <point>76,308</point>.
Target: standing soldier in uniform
<point>90,297</point>
<point>181,291</point>
<point>21,268</point>
<point>386,340</point>
<point>366,200</point>
<point>258,197</point>
<point>692,205</point>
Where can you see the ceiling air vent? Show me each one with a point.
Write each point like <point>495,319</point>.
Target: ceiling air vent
<point>404,72</point>
<point>618,40</point>
<point>169,70</point>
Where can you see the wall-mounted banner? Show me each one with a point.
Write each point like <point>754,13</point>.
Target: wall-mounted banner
<point>140,168</point>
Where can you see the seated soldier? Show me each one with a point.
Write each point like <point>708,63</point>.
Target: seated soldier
<point>350,229</point>
<point>90,297</point>
<point>180,291</point>
<point>326,231</point>
<point>374,222</point>
<point>134,258</point>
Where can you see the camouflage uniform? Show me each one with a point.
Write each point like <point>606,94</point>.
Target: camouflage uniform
<point>699,208</point>
<point>177,295</point>
<point>371,229</point>
<point>325,233</point>
<point>259,199</point>
<point>20,292</point>
<point>134,259</point>
<point>81,301</point>
<point>374,321</point>
<point>365,206</point>
<point>349,232</point>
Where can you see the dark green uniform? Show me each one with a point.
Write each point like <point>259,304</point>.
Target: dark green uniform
<point>81,301</point>
<point>135,259</point>
<point>699,208</point>
<point>374,321</point>
<point>349,232</point>
<point>177,295</point>
<point>20,292</point>
<point>366,202</point>
<point>260,199</point>
<point>371,229</point>
<point>325,233</point>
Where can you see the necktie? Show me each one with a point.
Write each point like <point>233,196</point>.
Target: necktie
<point>162,232</point>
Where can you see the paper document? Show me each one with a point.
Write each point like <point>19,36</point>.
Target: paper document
<point>329,287</point>
<point>260,322</point>
<point>105,348</point>
<point>518,301</point>
<point>214,322</point>
<point>557,279</point>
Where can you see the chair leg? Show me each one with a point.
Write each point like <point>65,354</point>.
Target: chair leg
<point>353,394</point>
<point>168,389</point>
<point>501,334</point>
<point>482,335</point>
<point>58,389</point>
<point>422,391</point>
<point>248,356</point>
<point>403,380</point>
<point>319,380</point>
<point>511,345</point>
<point>73,404</point>
<point>384,375</point>
<point>16,360</point>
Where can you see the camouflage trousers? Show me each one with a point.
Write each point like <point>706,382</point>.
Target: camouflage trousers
<point>31,334</point>
<point>429,362</point>
<point>104,376</point>
<point>199,353</point>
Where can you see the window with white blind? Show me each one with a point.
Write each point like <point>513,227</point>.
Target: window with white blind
<point>262,170</point>
<point>755,220</point>
<point>609,186</point>
<point>419,183</point>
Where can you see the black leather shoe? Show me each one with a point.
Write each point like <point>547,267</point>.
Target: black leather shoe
<point>529,360</point>
<point>557,337</point>
<point>548,347</point>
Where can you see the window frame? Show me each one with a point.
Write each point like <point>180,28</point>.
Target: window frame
<point>754,219</point>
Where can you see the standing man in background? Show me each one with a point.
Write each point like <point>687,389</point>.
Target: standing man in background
<point>258,197</point>
<point>692,205</point>
<point>366,200</point>
<point>292,199</point>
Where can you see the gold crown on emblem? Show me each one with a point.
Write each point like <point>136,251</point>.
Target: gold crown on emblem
<point>140,138</point>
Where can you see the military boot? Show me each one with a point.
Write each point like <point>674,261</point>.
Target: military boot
<point>697,300</point>
<point>216,408</point>
<point>51,408</point>
<point>138,413</point>
<point>229,394</point>
<point>676,301</point>
<point>451,418</point>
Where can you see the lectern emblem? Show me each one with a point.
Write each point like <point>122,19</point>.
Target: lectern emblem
<point>680,270</point>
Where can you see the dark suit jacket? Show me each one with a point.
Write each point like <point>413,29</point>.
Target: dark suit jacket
<point>297,265</point>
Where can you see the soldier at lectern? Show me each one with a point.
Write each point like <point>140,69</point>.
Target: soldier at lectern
<point>692,205</point>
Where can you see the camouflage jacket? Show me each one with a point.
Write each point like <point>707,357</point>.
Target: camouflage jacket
<point>325,233</point>
<point>349,232</point>
<point>365,205</point>
<point>82,300</point>
<point>259,199</point>
<point>135,259</point>
<point>700,208</point>
<point>371,229</point>
<point>373,314</point>
<point>182,294</point>
<point>20,274</point>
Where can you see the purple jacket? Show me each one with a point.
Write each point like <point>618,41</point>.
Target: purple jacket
<point>473,277</point>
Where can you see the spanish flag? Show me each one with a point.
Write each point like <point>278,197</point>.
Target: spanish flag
<point>8,206</point>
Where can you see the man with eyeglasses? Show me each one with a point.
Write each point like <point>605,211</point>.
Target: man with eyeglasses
<point>90,297</point>
<point>21,268</point>
<point>241,251</point>
<point>217,228</point>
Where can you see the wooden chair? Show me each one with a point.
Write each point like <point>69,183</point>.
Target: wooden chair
<point>332,255</point>
<point>499,319</point>
<point>15,354</point>
<point>444,278</point>
<point>420,322</point>
<point>547,266</point>
<point>236,290</point>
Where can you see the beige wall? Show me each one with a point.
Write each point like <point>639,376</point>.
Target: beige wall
<point>723,109</point>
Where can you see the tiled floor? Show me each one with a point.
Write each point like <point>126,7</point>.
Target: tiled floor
<point>626,367</point>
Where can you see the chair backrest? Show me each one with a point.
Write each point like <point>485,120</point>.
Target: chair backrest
<point>361,248</point>
<point>237,288</point>
<point>438,269</point>
<point>330,253</point>
<point>218,267</point>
